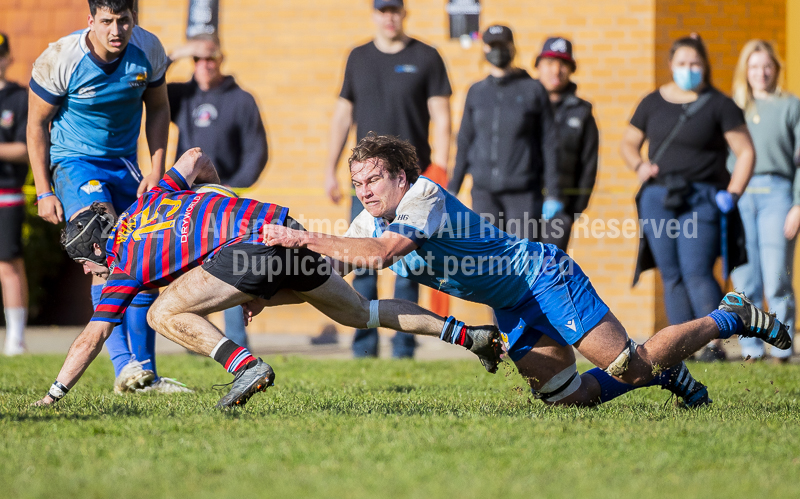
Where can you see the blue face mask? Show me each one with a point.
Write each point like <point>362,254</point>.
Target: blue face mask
<point>686,78</point>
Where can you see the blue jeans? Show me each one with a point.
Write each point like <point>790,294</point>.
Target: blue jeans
<point>685,257</point>
<point>234,326</point>
<point>767,274</point>
<point>365,341</point>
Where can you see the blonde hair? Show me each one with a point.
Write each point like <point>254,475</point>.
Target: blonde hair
<point>742,92</point>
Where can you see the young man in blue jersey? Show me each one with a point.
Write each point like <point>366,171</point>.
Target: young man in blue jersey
<point>175,236</point>
<point>85,111</point>
<point>544,303</point>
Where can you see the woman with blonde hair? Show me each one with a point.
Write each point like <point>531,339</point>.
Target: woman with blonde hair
<point>770,207</point>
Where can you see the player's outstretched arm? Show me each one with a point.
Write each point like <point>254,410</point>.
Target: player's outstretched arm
<point>358,252</point>
<point>40,114</point>
<point>156,130</point>
<point>82,352</point>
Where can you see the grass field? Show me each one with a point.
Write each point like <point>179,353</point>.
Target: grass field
<point>394,429</point>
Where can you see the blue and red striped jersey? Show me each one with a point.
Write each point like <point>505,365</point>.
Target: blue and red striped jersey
<point>169,231</point>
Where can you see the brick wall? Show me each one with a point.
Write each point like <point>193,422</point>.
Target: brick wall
<point>291,56</point>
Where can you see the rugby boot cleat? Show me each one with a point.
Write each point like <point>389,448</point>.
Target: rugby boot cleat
<point>133,377</point>
<point>757,323</point>
<point>256,376</point>
<point>486,344</point>
<point>166,386</point>
<point>680,382</point>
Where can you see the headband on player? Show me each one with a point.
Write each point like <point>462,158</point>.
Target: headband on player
<point>89,227</point>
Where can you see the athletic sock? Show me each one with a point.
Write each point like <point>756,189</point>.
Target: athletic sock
<point>230,355</point>
<point>117,344</point>
<point>455,332</point>
<point>610,388</point>
<point>141,336</point>
<point>15,328</point>
<point>728,323</point>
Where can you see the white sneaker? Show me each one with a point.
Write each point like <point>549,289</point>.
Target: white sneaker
<point>133,377</point>
<point>166,386</point>
<point>12,350</point>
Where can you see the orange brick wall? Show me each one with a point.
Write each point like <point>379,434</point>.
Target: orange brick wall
<point>291,56</point>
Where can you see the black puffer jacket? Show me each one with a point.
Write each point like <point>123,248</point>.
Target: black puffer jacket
<point>505,139</point>
<point>578,141</point>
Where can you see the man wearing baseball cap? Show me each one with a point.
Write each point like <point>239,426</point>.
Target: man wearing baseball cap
<point>13,170</point>
<point>503,141</point>
<point>393,85</point>
<point>577,142</point>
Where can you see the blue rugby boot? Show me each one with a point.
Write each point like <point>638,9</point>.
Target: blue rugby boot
<point>680,382</point>
<point>757,323</point>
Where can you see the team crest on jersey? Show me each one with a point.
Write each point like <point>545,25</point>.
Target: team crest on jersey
<point>139,81</point>
<point>7,118</point>
<point>91,187</point>
<point>125,227</point>
<point>204,114</point>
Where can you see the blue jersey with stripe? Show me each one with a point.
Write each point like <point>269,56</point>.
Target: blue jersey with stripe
<point>171,230</point>
<point>460,253</point>
<point>100,104</point>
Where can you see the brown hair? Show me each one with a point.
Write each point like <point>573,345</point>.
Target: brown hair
<point>694,41</point>
<point>397,154</point>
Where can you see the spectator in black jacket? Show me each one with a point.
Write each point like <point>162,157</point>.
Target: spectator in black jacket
<point>577,142</point>
<point>215,113</point>
<point>502,141</point>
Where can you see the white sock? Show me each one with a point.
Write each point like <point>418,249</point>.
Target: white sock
<point>15,327</point>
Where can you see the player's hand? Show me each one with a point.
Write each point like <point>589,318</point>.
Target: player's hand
<point>792,223</point>
<point>252,309</point>
<point>333,189</point>
<point>147,183</point>
<point>51,210</point>
<point>278,235</point>
<point>646,171</point>
<point>46,400</point>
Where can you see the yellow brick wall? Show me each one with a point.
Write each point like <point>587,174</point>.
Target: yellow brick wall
<point>291,55</point>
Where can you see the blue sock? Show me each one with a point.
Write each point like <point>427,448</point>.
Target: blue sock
<point>610,388</point>
<point>141,336</point>
<point>728,323</point>
<point>117,343</point>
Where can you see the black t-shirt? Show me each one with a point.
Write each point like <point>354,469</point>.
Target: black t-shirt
<point>699,151</point>
<point>13,121</point>
<point>390,92</point>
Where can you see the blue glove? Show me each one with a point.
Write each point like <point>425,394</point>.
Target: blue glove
<point>725,201</point>
<point>551,207</point>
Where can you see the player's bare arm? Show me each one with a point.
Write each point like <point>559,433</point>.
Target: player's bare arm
<point>341,123</point>
<point>156,129</point>
<point>196,167</point>
<point>371,252</point>
<point>82,352</point>
<point>40,114</point>
<point>14,152</point>
<point>439,109</point>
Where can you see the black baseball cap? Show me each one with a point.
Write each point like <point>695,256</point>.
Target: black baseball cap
<point>497,33</point>
<point>557,48</point>
<point>382,4</point>
<point>4,50</point>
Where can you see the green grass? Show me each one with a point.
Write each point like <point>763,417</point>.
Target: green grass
<point>394,429</point>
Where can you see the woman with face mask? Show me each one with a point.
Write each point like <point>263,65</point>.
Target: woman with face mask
<point>687,203</point>
<point>502,142</point>
<point>770,207</point>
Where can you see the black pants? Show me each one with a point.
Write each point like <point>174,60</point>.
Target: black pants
<point>517,213</point>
